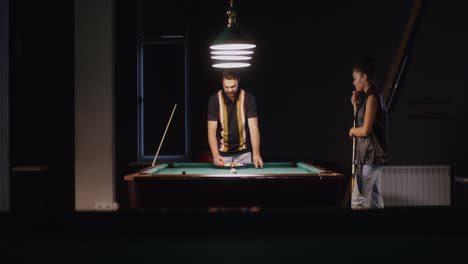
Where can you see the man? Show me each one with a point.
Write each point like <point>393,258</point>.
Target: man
<point>233,133</point>
<point>370,153</point>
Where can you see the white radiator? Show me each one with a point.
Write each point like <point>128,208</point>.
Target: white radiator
<point>416,185</point>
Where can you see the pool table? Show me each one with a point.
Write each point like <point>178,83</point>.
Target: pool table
<point>204,185</point>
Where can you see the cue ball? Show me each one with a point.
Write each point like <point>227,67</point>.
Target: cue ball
<point>183,172</point>
<point>233,171</point>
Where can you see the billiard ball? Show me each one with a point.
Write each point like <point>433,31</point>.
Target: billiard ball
<point>233,171</point>
<point>221,163</point>
<point>183,172</point>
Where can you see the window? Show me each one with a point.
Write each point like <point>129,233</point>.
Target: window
<point>162,83</point>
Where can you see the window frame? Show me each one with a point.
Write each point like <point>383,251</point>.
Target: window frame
<point>161,40</point>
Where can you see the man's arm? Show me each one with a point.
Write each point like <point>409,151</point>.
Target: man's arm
<point>212,126</point>
<point>255,140</point>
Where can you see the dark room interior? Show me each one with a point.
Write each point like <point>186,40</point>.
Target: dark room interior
<point>88,85</point>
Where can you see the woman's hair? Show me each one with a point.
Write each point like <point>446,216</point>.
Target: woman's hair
<point>367,65</point>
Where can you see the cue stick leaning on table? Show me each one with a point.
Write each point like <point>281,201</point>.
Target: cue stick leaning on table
<point>350,186</point>
<point>353,165</point>
<point>167,126</point>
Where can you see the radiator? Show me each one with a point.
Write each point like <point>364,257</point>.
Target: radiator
<point>416,185</point>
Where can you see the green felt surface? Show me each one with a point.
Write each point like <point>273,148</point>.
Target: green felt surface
<point>209,168</point>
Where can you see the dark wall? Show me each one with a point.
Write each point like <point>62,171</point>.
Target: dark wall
<point>41,104</point>
<point>125,94</point>
<point>427,122</point>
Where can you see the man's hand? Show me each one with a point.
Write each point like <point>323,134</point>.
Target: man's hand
<point>257,160</point>
<point>218,160</point>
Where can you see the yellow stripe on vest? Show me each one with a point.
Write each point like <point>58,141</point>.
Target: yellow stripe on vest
<point>241,120</point>
<point>224,123</point>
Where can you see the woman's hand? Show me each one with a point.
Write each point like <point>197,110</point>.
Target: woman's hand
<point>354,98</point>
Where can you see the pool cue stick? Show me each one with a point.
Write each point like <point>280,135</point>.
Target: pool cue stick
<point>350,186</point>
<point>353,166</point>
<point>167,126</point>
